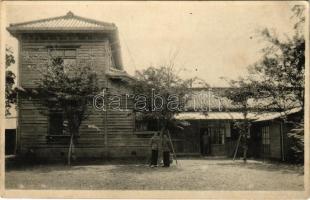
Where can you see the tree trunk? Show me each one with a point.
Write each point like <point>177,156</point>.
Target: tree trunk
<point>70,149</point>
<point>245,148</point>
<point>162,131</point>
<point>73,124</point>
<point>174,154</point>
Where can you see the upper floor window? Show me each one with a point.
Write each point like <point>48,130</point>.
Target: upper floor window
<point>66,56</point>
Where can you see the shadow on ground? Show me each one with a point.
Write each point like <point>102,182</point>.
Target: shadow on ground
<point>267,165</point>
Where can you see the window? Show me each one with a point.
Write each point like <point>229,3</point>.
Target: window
<point>217,135</point>
<point>57,125</point>
<point>143,124</point>
<point>146,125</point>
<point>265,140</point>
<point>265,135</point>
<point>68,57</point>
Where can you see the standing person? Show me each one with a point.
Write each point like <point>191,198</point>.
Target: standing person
<point>166,151</point>
<point>209,143</point>
<point>206,143</point>
<point>154,143</point>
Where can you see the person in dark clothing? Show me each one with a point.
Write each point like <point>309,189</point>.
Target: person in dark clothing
<point>154,143</point>
<point>166,151</point>
<point>206,143</point>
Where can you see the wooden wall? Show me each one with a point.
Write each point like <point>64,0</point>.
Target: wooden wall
<point>188,141</point>
<point>275,140</point>
<point>257,149</point>
<point>95,52</point>
<point>114,133</point>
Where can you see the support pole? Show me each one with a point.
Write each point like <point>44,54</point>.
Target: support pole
<point>237,147</point>
<point>175,156</point>
<point>106,120</point>
<point>70,150</point>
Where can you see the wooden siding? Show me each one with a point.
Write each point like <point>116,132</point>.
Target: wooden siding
<point>34,54</point>
<point>103,133</point>
<point>272,150</point>
<point>275,140</point>
<point>119,127</point>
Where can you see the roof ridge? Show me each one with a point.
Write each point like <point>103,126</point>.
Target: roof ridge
<point>36,21</point>
<point>94,21</point>
<point>69,15</point>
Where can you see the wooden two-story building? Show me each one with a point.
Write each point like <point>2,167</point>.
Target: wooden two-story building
<point>111,133</point>
<point>78,41</point>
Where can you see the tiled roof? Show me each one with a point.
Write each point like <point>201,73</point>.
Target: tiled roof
<point>209,99</point>
<point>206,99</point>
<point>68,22</point>
<point>71,23</point>
<point>276,115</point>
<point>257,117</point>
<point>212,115</point>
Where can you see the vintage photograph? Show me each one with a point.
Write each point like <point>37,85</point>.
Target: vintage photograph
<point>165,96</point>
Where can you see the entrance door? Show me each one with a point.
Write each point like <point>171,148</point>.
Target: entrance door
<point>213,141</point>
<point>218,141</point>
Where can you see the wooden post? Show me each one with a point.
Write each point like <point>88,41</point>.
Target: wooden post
<point>282,141</point>
<point>175,156</point>
<point>70,150</point>
<point>237,147</point>
<point>106,121</point>
<point>199,136</point>
<point>18,143</point>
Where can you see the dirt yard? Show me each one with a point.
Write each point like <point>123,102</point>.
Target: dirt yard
<point>191,174</point>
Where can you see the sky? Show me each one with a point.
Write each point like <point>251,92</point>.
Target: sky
<point>209,40</point>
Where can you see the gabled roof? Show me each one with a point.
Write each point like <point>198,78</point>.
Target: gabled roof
<point>71,23</point>
<point>68,22</point>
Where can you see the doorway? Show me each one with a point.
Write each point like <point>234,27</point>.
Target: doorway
<point>205,141</point>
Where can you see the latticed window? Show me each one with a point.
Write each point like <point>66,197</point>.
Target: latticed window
<point>217,135</point>
<point>265,135</point>
<point>266,140</point>
<point>67,56</point>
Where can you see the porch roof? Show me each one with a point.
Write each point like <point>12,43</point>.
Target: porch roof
<point>119,75</point>
<point>275,115</point>
<point>256,117</point>
<point>212,115</point>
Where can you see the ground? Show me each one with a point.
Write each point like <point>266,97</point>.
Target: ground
<point>190,174</point>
